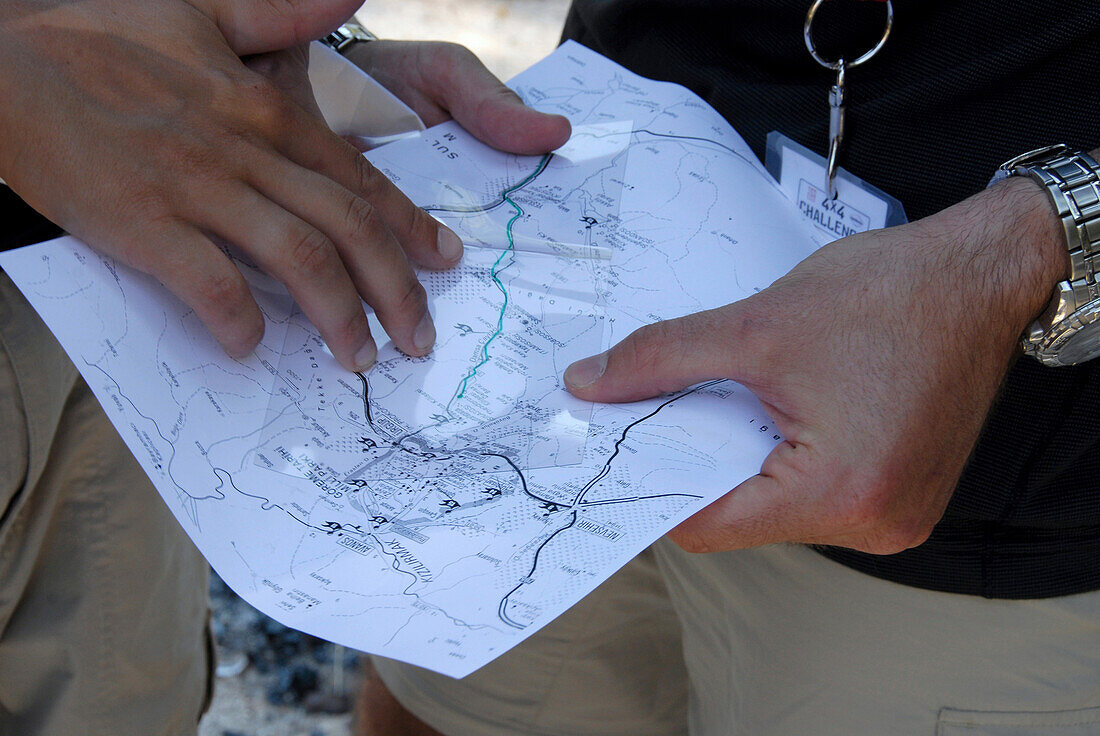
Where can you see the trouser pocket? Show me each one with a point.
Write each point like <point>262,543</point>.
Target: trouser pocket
<point>1080,722</point>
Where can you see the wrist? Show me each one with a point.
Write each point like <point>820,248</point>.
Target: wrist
<point>1015,246</point>
<point>1031,231</point>
<point>363,54</point>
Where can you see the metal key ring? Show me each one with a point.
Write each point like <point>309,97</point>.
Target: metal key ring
<point>835,65</point>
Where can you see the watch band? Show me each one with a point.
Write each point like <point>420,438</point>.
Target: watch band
<point>346,36</point>
<point>1072,180</point>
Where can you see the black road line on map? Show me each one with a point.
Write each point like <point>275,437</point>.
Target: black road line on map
<point>622,438</point>
<point>502,609</point>
<point>397,444</point>
<point>522,477</point>
<point>605,502</point>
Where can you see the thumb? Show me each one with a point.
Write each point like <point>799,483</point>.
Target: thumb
<point>483,105</point>
<point>496,115</point>
<point>259,26</point>
<point>660,358</point>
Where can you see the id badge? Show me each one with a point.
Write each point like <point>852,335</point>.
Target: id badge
<point>858,206</point>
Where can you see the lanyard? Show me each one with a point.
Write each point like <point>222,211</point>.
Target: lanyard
<point>837,92</point>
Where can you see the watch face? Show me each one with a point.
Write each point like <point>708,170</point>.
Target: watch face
<point>1082,344</point>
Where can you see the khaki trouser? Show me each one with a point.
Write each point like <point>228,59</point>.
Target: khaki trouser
<point>102,597</point>
<point>780,641</point>
<point>609,665</point>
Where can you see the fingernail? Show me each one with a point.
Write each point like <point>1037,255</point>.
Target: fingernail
<point>424,335</point>
<point>366,356</point>
<point>449,244</point>
<point>585,372</point>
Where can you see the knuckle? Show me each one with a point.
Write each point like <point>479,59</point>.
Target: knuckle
<point>264,104</point>
<point>916,535</point>
<point>368,179</point>
<point>415,299</point>
<point>361,217</point>
<point>645,346</point>
<point>447,55</point>
<point>502,92</point>
<point>747,327</point>
<point>896,538</point>
<point>660,349</point>
<point>745,323</point>
<point>223,88</point>
<point>421,225</point>
<point>198,160</point>
<point>878,509</point>
<point>134,248</point>
<point>145,203</point>
<point>444,64</point>
<point>907,534</point>
<point>310,254</point>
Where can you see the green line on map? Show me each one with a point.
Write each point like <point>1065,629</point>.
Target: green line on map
<point>510,250</point>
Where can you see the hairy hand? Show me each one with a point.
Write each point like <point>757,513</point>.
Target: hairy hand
<point>878,358</point>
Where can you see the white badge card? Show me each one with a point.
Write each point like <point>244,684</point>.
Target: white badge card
<point>858,206</point>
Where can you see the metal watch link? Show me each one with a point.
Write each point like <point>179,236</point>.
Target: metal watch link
<point>346,36</point>
<point>1068,331</point>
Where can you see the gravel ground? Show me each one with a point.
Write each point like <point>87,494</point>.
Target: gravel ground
<point>275,681</point>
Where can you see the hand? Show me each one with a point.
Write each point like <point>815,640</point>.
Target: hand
<point>288,70</point>
<point>135,126</point>
<point>877,357</point>
<point>441,81</point>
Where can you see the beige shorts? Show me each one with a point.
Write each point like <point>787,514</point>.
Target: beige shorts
<point>782,641</point>
<point>102,597</point>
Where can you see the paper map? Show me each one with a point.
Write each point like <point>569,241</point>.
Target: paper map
<point>440,510</point>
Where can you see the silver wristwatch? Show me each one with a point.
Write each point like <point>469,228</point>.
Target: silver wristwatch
<point>346,36</point>
<point>1068,331</point>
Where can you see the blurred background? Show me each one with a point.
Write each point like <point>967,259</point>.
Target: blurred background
<point>508,35</point>
<point>273,681</point>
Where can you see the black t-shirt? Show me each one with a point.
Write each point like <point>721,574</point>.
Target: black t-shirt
<point>958,88</point>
